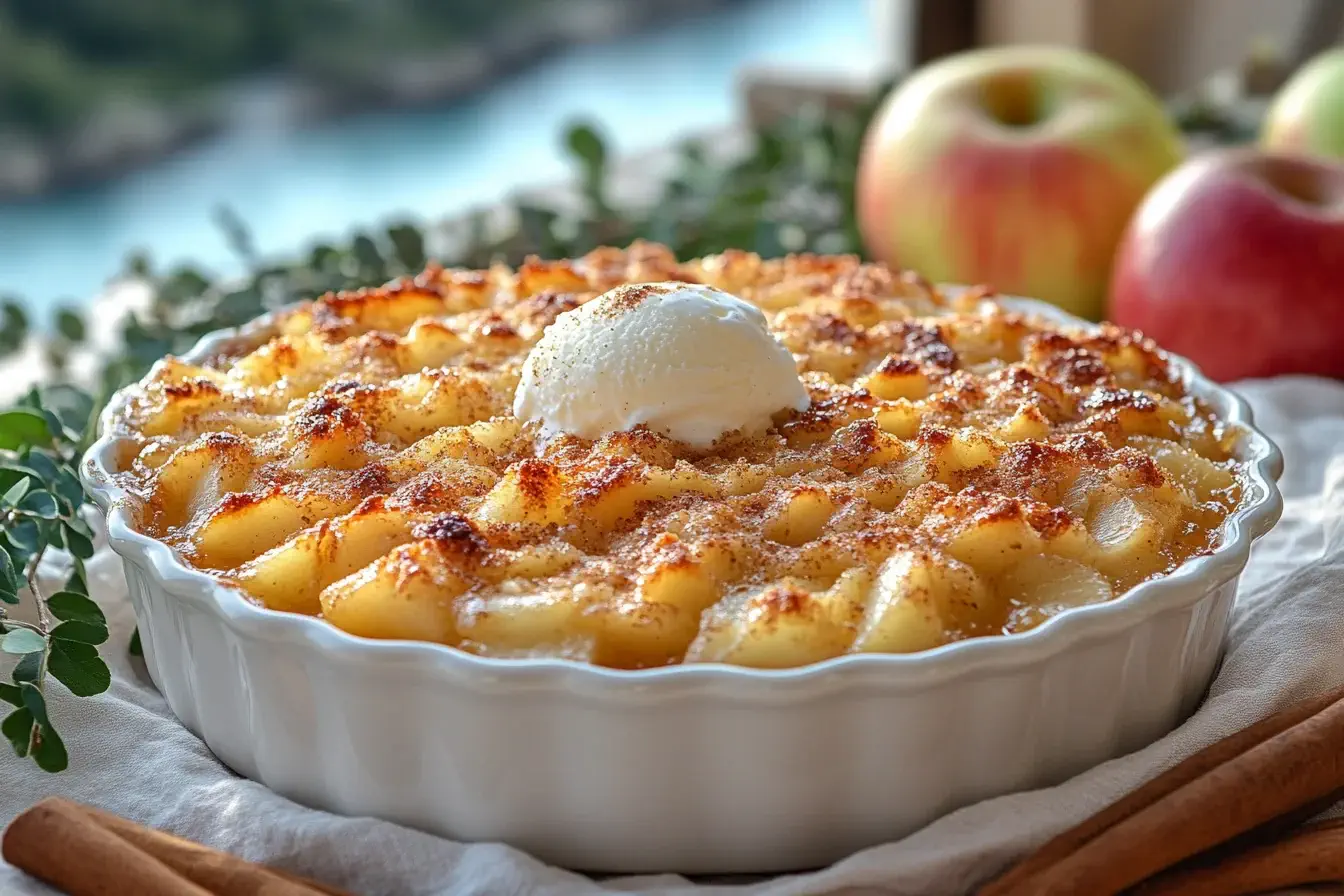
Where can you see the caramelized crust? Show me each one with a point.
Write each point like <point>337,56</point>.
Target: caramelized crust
<point>963,470</point>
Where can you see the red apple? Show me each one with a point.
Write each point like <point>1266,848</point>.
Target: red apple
<point>1013,166</point>
<point>1236,260</point>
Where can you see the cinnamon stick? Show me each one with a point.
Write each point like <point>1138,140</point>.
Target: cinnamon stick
<point>1312,855</point>
<point>88,852</point>
<point>1253,777</point>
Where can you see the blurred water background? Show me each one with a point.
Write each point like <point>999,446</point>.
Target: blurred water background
<point>295,184</point>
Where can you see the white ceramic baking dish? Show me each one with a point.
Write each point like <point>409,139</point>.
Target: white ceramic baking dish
<point>697,768</point>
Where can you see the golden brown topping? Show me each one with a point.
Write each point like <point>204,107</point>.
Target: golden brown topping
<point>1110,399</point>
<point>896,365</point>
<point>779,601</point>
<point>451,532</point>
<point>493,326</point>
<point>191,389</point>
<point>538,480</point>
<point>1049,522</point>
<point>372,479</point>
<point>324,417</point>
<point>545,306</point>
<point>856,444</point>
<point>924,343</point>
<point>834,328</point>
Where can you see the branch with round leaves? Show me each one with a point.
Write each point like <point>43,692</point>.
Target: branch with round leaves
<point>42,439</point>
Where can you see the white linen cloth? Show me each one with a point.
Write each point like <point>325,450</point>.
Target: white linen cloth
<point>128,753</point>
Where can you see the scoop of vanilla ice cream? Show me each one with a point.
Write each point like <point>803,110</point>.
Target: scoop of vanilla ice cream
<point>689,361</point>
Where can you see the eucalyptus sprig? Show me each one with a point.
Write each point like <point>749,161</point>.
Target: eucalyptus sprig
<point>42,438</point>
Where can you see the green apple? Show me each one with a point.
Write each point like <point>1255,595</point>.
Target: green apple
<point>1307,114</point>
<point>1016,167</point>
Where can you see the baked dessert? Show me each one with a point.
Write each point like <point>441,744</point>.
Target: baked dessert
<point>648,483</point>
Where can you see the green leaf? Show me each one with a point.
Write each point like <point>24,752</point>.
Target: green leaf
<point>538,225</point>
<point>70,324</point>
<point>49,751</point>
<point>10,582</point>
<point>71,405</point>
<point>323,256</point>
<point>78,667</point>
<point>11,694</point>
<point>21,641</point>
<point>54,425</point>
<point>41,504</point>
<point>13,327</point>
<point>77,582</point>
<point>408,244</point>
<point>183,284</point>
<point>23,426</point>
<point>41,464</point>
<point>26,537</point>
<point>135,648</point>
<point>69,606</point>
<point>18,730</point>
<point>138,264</point>
<point>239,306</point>
<point>76,542</point>
<point>14,494</point>
<point>586,144</point>
<point>14,313</point>
<point>69,489</point>
<point>77,523</point>
<point>236,234</point>
<point>368,256</point>
<point>142,346</point>
<point>82,632</point>
<point>27,669</point>
<point>18,557</point>
<point>12,473</point>
<point>35,703</point>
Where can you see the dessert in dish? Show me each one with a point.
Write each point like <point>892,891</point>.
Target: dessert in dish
<point>357,458</point>
<point>633,461</point>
